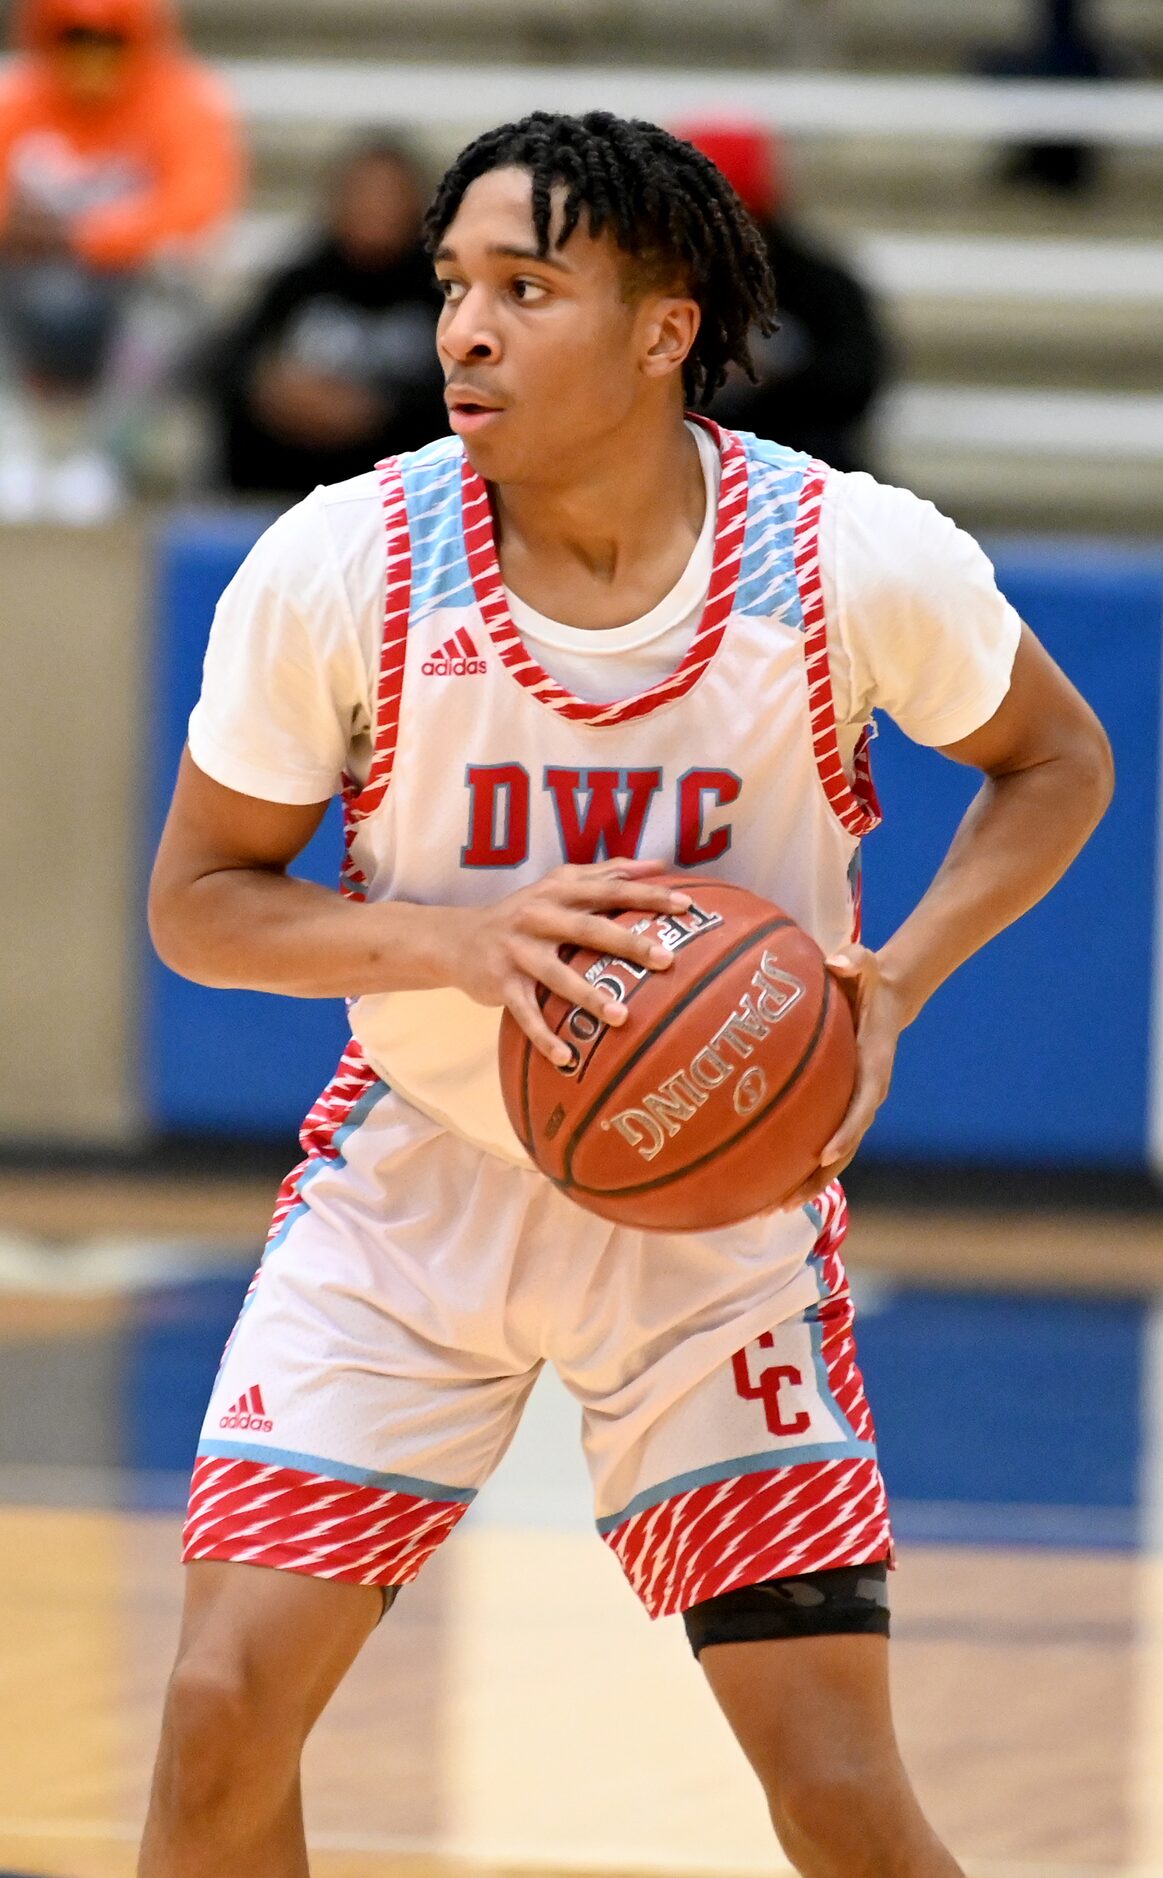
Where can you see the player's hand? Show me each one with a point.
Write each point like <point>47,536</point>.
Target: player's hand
<point>503,954</point>
<point>879,1020</point>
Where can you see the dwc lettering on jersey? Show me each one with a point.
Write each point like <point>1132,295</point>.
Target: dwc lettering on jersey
<point>600,814</point>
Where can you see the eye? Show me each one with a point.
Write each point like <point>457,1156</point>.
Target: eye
<point>451,291</point>
<point>528,291</point>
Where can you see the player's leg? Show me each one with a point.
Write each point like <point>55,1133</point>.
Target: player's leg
<point>261,1652</point>
<point>743,1491</point>
<point>356,1412</point>
<point>812,1715</point>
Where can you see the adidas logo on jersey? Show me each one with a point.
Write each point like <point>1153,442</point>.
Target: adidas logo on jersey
<point>249,1414</point>
<point>457,658</point>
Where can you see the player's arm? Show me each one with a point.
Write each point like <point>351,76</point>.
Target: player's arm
<point>225,911</point>
<point>1048,777</point>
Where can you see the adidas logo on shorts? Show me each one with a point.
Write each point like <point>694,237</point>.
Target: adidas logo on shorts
<point>457,658</point>
<point>249,1414</point>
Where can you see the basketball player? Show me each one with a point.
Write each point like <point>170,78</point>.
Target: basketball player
<point>585,641</point>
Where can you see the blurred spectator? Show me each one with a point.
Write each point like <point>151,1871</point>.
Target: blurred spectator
<point>117,149</point>
<point>1065,44</point>
<point>335,365</point>
<point>820,373</point>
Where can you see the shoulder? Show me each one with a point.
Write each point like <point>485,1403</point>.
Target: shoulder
<point>353,512</point>
<point>306,557</point>
<point>779,480</point>
<point>357,502</point>
<point>434,471</point>
<point>913,604</point>
<point>767,459</point>
<point>878,533</point>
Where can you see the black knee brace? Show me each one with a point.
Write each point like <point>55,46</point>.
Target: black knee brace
<point>852,1600</point>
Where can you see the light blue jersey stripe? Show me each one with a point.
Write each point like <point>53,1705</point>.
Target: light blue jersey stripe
<point>730,1470</point>
<point>334,1470</point>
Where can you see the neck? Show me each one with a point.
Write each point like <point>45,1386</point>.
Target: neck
<point>615,506</point>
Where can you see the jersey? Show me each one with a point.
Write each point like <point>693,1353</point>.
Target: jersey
<point>414,1281</point>
<point>486,773</point>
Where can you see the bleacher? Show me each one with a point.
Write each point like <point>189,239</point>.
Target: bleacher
<point>1030,400</point>
<point>1027,326</point>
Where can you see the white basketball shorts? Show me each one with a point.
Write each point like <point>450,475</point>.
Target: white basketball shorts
<point>411,1289</point>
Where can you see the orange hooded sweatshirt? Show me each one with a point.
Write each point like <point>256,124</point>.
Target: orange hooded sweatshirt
<point>162,163</point>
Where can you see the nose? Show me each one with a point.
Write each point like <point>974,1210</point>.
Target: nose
<point>466,334</point>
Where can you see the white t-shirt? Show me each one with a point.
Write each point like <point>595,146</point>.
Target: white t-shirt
<point>916,627</point>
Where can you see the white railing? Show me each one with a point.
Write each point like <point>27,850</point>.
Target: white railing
<point>1111,426</point>
<point>803,104</point>
<point>1035,268</point>
<point>426,94</point>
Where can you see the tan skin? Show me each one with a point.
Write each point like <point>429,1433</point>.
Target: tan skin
<point>595,525</point>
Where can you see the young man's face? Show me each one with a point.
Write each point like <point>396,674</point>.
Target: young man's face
<point>544,357</point>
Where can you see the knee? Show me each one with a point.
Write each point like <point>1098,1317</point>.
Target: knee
<point>221,1737</point>
<point>842,1822</point>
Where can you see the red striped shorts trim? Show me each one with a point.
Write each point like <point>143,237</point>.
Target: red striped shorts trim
<point>251,1513</point>
<point>775,1522</point>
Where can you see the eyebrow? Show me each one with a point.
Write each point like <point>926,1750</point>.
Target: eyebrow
<point>502,251</point>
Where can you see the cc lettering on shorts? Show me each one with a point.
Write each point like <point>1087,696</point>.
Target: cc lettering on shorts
<point>765,1383</point>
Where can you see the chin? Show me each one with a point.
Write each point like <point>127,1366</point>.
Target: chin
<point>494,460</point>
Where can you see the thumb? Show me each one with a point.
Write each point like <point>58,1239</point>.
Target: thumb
<point>843,964</point>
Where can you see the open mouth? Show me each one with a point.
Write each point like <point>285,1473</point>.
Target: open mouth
<point>467,414</point>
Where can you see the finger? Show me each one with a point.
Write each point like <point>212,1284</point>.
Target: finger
<point>814,1185</point>
<point>553,972</point>
<point>868,1094</point>
<point>850,973</point>
<point>629,893</point>
<point>846,964</point>
<point>630,867</point>
<point>522,1004</point>
<point>607,936</point>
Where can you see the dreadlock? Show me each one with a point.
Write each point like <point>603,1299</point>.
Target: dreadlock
<point>664,203</point>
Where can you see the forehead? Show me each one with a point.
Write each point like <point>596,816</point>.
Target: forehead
<point>496,213</point>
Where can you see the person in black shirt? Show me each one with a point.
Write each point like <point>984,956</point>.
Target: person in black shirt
<point>335,364</point>
<point>822,369</point>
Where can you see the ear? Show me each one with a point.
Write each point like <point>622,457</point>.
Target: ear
<point>670,328</point>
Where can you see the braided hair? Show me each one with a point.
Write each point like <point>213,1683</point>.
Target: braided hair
<point>666,206</point>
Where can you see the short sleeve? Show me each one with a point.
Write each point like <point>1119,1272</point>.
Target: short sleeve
<point>285,684</point>
<point>917,626</point>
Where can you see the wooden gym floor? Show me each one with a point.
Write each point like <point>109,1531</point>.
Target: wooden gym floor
<point>517,1714</point>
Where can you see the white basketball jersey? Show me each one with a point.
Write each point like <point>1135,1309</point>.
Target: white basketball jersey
<point>487,773</point>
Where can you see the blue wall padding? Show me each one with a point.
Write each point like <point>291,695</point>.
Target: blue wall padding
<point>1037,1050</point>
<point>221,1062</point>
<point>1036,1053</point>
<point>1032,1401</point>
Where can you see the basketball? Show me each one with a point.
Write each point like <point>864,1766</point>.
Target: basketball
<point>713,1101</point>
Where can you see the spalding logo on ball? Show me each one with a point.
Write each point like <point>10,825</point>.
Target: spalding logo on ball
<point>713,1101</point>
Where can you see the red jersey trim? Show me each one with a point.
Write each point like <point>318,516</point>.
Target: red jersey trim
<point>358,803</point>
<point>481,548</point>
<point>854,803</point>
